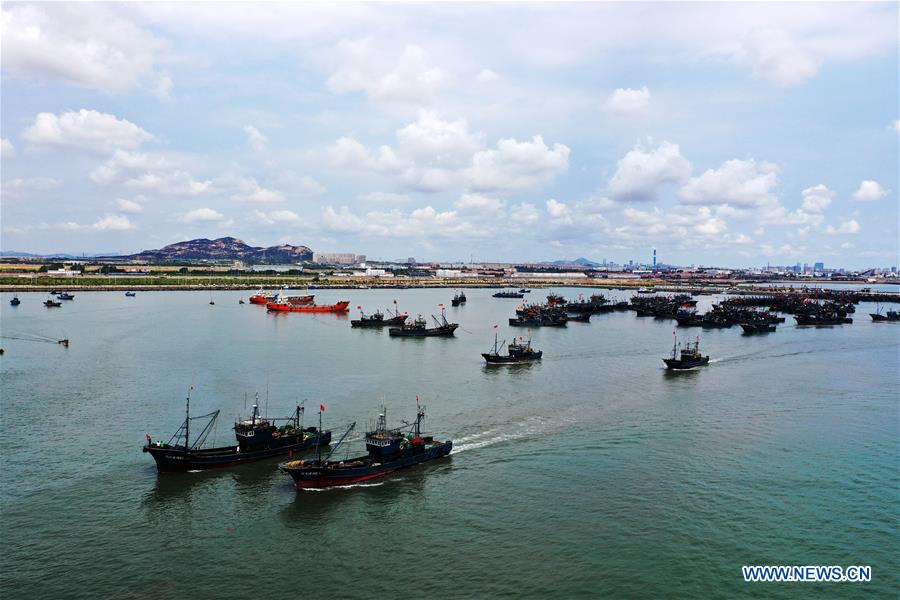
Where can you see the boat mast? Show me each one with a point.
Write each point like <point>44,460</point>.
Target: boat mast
<point>319,437</point>
<point>187,420</point>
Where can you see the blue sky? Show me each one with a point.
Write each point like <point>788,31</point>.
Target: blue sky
<point>727,134</point>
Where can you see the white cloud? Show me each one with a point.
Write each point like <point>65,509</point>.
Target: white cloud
<point>558,210</point>
<point>11,186</point>
<point>278,217</point>
<point>846,227</point>
<point>109,222</point>
<point>643,170</point>
<point>896,125</point>
<point>122,164</point>
<point>479,205</point>
<point>128,206</point>
<point>88,45</point>
<point>249,190</point>
<point>517,166</point>
<point>176,183</point>
<point>524,214</point>
<point>777,58</point>
<point>383,198</point>
<point>627,101</point>
<point>438,143</point>
<point>486,75</point>
<point>7,150</point>
<point>87,129</point>
<point>739,183</point>
<point>363,66</point>
<point>869,191</point>
<point>202,215</point>
<point>255,139</point>
<point>816,199</point>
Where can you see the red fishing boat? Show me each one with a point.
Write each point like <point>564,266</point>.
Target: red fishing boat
<point>286,306</point>
<point>261,298</point>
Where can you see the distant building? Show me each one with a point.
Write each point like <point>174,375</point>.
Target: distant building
<point>819,267</point>
<point>63,273</point>
<point>338,258</point>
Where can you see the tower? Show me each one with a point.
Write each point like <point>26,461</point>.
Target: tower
<point>654,258</point>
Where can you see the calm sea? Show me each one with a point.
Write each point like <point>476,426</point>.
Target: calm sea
<point>593,473</point>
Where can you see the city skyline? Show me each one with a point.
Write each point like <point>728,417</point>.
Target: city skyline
<point>735,134</point>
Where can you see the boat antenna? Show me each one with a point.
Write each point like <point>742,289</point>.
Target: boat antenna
<point>267,395</point>
<point>187,419</point>
<point>319,435</point>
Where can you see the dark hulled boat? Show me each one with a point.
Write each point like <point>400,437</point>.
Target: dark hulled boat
<point>388,450</point>
<point>15,301</point>
<point>508,294</point>
<point>458,299</point>
<point>821,318</point>
<point>65,296</point>
<point>130,294</point>
<point>758,327</point>
<point>419,328</point>
<point>889,316</point>
<point>690,356</point>
<point>584,317</point>
<point>51,303</point>
<point>257,439</point>
<point>378,318</point>
<point>517,352</point>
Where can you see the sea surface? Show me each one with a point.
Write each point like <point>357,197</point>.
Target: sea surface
<point>594,473</point>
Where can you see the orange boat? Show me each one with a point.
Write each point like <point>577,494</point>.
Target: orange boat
<point>261,299</point>
<point>283,306</point>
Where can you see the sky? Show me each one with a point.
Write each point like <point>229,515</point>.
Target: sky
<point>733,134</point>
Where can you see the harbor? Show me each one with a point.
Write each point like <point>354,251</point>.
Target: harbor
<point>618,436</point>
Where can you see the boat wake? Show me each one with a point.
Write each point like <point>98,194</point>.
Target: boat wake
<point>530,428</point>
<point>343,487</point>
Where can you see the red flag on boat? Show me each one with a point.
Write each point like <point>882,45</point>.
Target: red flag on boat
<point>322,407</point>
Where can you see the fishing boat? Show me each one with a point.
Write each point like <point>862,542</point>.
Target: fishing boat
<point>65,296</point>
<point>258,438</point>
<point>263,297</point>
<point>889,316</point>
<point>282,305</point>
<point>517,352</point>
<point>524,291</point>
<point>458,298</point>
<point>584,317</point>
<point>387,450</point>
<point>130,294</point>
<point>419,328</point>
<point>556,299</point>
<point>758,327</point>
<point>508,294</point>
<point>15,301</point>
<point>822,318</point>
<point>378,319</point>
<point>51,303</point>
<point>690,356</point>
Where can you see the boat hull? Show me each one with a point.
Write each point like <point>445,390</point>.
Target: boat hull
<point>447,331</point>
<point>171,459</point>
<point>339,307</point>
<point>677,364</point>
<point>317,477</point>
<point>499,359</point>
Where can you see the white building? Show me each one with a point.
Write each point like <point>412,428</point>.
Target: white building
<point>338,258</point>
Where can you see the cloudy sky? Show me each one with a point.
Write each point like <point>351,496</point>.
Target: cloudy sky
<point>729,134</point>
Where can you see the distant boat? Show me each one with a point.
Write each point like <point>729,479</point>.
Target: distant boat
<point>65,296</point>
<point>459,298</point>
<point>891,315</point>
<point>131,294</point>
<point>50,303</point>
<point>419,328</point>
<point>690,357</point>
<point>517,352</point>
<point>510,294</point>
<point>15,301</point>
<point>283,305</point>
